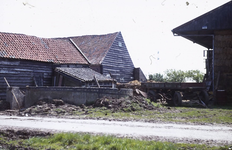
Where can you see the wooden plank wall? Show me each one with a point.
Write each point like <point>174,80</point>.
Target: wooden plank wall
<point>21,73</point>
<point>118,61</point>
<point>223,63</point>
<point>139,75</point>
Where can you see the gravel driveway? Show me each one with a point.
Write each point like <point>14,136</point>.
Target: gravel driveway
<point>207,134</point>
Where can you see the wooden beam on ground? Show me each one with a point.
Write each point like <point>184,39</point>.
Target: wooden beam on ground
<point>12,93</point>
<point>96,81</point>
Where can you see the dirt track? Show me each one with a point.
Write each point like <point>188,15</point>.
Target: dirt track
<point>210,135</point>
<point>45,116</point>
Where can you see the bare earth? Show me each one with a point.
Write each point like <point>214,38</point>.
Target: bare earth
<point>42,119</point>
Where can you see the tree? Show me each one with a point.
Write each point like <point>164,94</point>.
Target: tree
<point>195,75</point>
<point>172,75</point>
<point>157,77</point>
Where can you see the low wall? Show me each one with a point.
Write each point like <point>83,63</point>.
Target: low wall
<point>72,95</point>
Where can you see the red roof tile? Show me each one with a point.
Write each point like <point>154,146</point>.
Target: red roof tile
<point>95,47</point>
<point>20,46</point>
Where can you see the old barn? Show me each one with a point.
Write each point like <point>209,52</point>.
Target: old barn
<point>109,56</point>
<point>213,30</point>
<point>32,61</point>
<point>83,61</point>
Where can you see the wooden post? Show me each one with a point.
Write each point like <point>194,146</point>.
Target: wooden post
<point>12,93</point>
<point>60,80</point>
<point>96,81</point>
<point>35,82</point>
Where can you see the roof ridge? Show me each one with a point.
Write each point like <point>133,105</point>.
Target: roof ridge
<point>92,35</point>
<point>20,34</point>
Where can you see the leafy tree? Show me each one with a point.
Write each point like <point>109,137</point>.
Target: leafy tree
<point>150,77</point>
<point>172,75</point>
<point>157,77</point>
<point>195,75</point>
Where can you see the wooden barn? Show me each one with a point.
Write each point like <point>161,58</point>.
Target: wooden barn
<point>109,56</point>
<point>213,30</point>
<point>31,61</point>
<point>85,61</point>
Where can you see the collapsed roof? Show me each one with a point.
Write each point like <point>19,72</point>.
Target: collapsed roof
<point>82,74</point>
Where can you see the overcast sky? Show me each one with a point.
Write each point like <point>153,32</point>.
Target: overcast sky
<point>145,25</point>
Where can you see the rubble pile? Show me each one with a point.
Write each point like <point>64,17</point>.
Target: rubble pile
<point>58,108</point>
<point>54,107</point>
<point>133,85</point>
<point>128,104</point>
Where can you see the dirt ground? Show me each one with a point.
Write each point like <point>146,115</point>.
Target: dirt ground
<point>14,134</point>
<point>57,107</point>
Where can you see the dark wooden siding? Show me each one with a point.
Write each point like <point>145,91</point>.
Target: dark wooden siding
<point>21,73</point>
<point>118,62</point>
<point>97,68</point>
<point>217,19</point>
<point>223,63</point>
<point>205,25</point>
<point>138,75</point>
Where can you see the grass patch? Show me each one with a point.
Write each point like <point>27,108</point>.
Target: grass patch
<point>217,115</point>
<point>93,142</point>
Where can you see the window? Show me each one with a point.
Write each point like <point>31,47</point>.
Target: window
<point>120,44</point>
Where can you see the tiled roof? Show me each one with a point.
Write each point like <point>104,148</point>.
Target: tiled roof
<point>95,47</point>
<point>20,46</point>
<point>83,74</point>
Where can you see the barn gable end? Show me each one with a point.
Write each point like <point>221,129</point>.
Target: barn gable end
<point>107,54</point>
<point>117,61</point>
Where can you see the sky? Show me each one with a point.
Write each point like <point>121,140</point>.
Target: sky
<point>145,26</point>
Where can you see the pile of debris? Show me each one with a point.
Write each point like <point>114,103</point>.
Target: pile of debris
<point>132,84</point>
<point>57,107</point>
<point>128,104</point>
